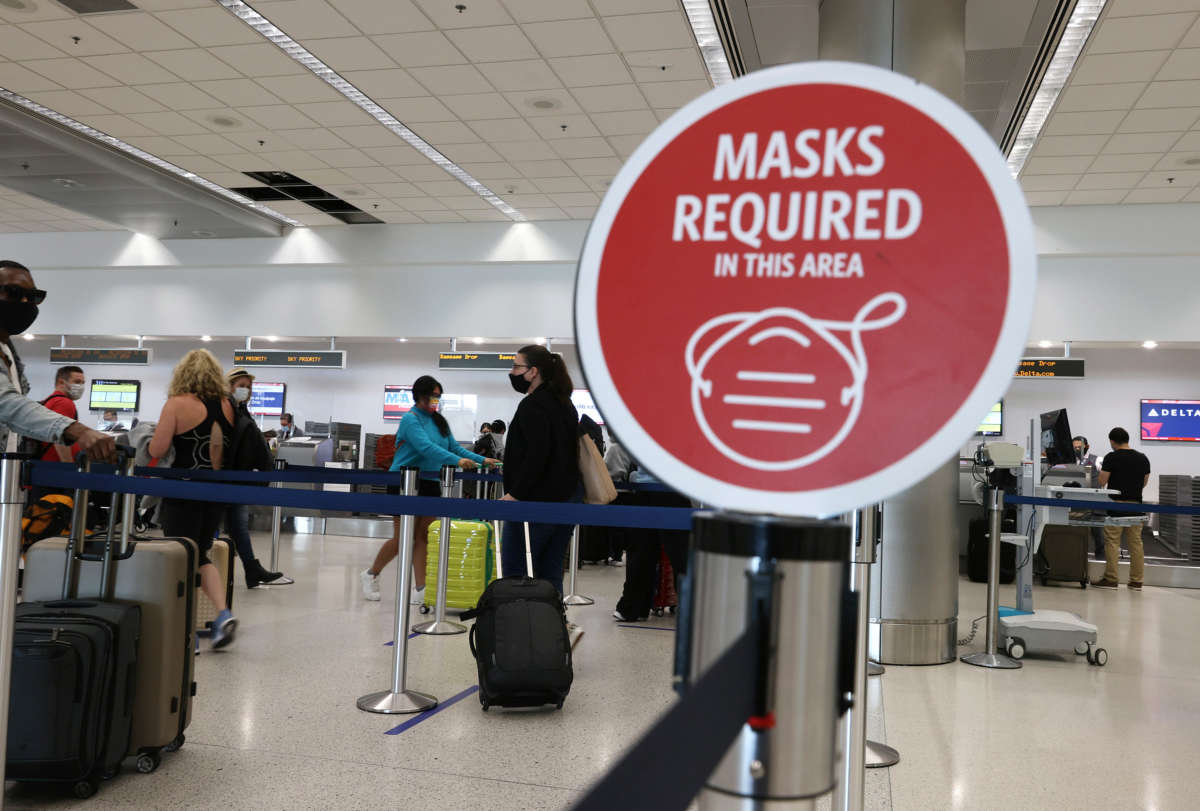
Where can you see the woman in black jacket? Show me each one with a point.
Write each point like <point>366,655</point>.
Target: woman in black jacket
<point>540,460</point>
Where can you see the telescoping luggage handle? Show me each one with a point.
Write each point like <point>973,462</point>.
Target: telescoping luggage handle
<point>78,533</point>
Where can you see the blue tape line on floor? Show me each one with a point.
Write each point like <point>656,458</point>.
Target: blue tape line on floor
<point>645,627</point>
<point>413,635</point>
<point>450,702</point>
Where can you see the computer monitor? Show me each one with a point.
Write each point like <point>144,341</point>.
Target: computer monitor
<point>115,395</point>
<point>992,423</point>
<point>1056,438</point>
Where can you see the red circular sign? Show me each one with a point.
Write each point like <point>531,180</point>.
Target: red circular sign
<point>804,289</point>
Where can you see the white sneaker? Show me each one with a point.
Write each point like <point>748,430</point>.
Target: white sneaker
<point>417,597</point>
<point>370,585</point>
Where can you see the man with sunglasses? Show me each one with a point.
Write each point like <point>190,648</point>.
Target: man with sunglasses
<point>19,300</point>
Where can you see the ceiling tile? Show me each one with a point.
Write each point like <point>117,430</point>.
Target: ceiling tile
<point>606,8</point>
<point>239,92</point>
<point>124,100</point>
<point>544,169</point>
<point>423,203</point>
<point>1095,197</point>
<point>673,94</point>
<point>492,215</point>
<point>626,144</point>
<point>1109,180</point>
<point>664,113</point>
<point>569,38</point>
<point>531,74</point>
<point>131,69</point>
<point>561,185</point>
<point>60,33</point>
<point>179,96</point>
<point>1155,196</point>
<point>636,122</point>
<point>17,45</point>
<point>299,89</point>
<point>139,31</point>
<point>167,5</point>
<point>383,16</point>
<point>1181,64</point>
<point>370,174</point>
<point>1049,182</point>
<point>523,150</point>
<point>296,161</point>
<point>1183,178</point>
<point>644,32</point>
<point>161,146</point>
<point>208,143</point>
<point>1057,145</point>
<point>1099,97</point>
<point>494,44</point>
<point>583,198</point>
<point>22,80</point>
<point>473,106</point>
<point>391,83</point>
<point>260,140</point>
<point>1192,38</point>
<point>327,177</point>
<point>523,201</point>
<point>1188,143</point>
<point>503,129</point>
<point>1168,120</point>
<point>420,50</point>
<point>1184,93</point>
<point>441,216</point>
<point>463,203</point>
<point>1138,66</point>
<point>471,153</point>
<point>416,110</point>
<point>1097,123</point>
<point>1123,163</point>
<point>533,103</point>
<point>258,60</point>
<point>1148,33</point>
<point>396,190</point>
<point>477,13</point>
<point>313,138</point>
<point>587,71</point>
<point>210,26</point>
<point>1056,166</point>
<point>440,188</point>
<point>551,213</point>
<point>306,19</point>
<point>489,171</point>
<point>446,132</point>
<point>612,98</point>
<point>423,170</point>
<point>367,135</point>
<point>1133,8</point>
<point>339,158</point>
<point>1141,142</point>
<point>451,79</point>
<point>1193,196</point>
<point>73,74</point>
<point>394,156</point>
<point>580,212</point>
<point>350,53</point>
<point>564,126</point>
<point>335,113</point>
<point>534,11</point>
<point>193,64</point>
<point>277,117</point>
<point>118,125</point>
<point>1045,198</point>
<point>68,102</point>
<point>168,123</point>
<point>584,167</point>
<point>582,148</point>
<point>681,64</point>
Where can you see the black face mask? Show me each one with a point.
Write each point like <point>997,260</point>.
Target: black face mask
<point>17,316</point>
<point>519,383</point>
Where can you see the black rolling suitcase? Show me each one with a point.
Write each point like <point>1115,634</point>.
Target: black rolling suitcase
<point>521,645</point>
<point>977,555</point>
<point>1064,554</point>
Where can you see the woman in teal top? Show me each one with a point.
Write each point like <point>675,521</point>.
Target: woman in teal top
<point>423,440</point>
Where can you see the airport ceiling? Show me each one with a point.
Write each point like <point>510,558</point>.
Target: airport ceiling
<point>538,100</point>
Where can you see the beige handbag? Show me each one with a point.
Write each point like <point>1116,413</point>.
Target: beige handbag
<point>597,484</point>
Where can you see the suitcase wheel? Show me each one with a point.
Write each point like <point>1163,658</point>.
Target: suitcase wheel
<point>485,706</point>
<point>111,774</point>
<point>84,789</point>
<point>175,745</point>
<point>148,762</point>
<point>560,705</point>
<point>424,609</point>
<point>658,612</point>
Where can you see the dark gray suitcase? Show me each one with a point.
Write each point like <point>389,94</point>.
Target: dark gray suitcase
<point>1064,554</point>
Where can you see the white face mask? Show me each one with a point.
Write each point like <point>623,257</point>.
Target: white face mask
<point>241,394</point>
<point>75,390</point>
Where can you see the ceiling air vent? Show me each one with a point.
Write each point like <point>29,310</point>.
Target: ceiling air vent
<point>97,6</point>
<point>286,186</point>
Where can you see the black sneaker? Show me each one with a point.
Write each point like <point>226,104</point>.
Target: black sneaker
<point>1102,583</point>
<point>1135,586</point>
<point>619,617</point>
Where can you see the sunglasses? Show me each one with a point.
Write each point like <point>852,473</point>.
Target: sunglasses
<point>15,292</point>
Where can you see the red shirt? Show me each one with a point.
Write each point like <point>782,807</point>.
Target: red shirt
<point>60,404</point>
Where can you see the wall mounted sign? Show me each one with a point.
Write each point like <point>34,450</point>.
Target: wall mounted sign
<point>68,356</point>
<point>1050,367</point>
<point>487,361</point>
<point>335,359</point>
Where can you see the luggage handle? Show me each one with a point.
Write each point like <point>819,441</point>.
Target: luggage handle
<point>75,539</point>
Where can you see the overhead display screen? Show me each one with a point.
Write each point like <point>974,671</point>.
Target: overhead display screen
<point>992,423</point>
<point>479,361</point>
<point>582,399</point>
<point>114,395</point>
<point>267,399</point>
<point>1050,367</point>
<point>1170,420</point>
<point>397,400</point>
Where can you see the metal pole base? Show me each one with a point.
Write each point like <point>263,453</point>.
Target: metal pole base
<point>994,660</point>
<point>577,599</point>
<point>443,628</point>
<point>880,755</point>
<point>875,669</point>
<point>389,703</point>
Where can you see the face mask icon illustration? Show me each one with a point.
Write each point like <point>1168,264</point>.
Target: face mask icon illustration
<point>800,393</point>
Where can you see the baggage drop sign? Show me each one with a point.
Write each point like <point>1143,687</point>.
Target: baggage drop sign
<point>803,289</point>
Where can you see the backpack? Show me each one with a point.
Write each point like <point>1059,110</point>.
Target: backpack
<point>248,449</point>
<point>521,645</point>
<point>36,447</point>
<point>385,451</point>
<point>485,446</point>
<point>47,517</point>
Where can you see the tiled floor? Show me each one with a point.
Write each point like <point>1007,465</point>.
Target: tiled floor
<point>276,725</point>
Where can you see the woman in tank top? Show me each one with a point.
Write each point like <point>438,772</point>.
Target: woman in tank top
<point>197,422</point>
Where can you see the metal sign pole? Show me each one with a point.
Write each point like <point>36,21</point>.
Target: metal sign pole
<point>400,699</point>
<point>989,657</point>
<point>276,520</point>
<point>574,598</point>
<point>12,505</point>
<point>440,625</point>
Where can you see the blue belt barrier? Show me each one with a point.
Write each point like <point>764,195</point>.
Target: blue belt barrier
<point>1099,506</point>
<point>608,515</point>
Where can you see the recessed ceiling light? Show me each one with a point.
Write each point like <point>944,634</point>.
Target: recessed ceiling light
<point>1045,344</point>
<point>29,336</point>
<point>206,338</point>
<point>298,53</point>
<point>1149,344</point>
<point>224,121</point>
<point>544,103</point>
<point>272,338</point>
<point>68,183</point>
<point>1191,162</point>
<point>352,192</point>
<point>540,342</point>
<point>704,28</point>
<point>203,234</point>
<point>476,340</point>
<point>19,5</point>
<point>402,340</point>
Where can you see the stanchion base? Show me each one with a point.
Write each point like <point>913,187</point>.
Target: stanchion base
<point>577,599</point>
<point>880,755</point>
<point>994,660</point>
<point>443,628</point>
<point>874,668</point>
<point>389,703</point>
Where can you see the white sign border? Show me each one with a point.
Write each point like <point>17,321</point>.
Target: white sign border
<point>938,449</point>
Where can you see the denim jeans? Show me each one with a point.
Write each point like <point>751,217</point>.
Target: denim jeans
<point>548,543</point>
<point>237,524</point>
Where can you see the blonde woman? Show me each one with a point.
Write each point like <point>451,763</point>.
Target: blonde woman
<point>197,421</point>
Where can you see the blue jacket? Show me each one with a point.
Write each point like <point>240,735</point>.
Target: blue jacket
<point>424,446</point>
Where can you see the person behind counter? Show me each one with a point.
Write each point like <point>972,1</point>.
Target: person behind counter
<point>109,421</point>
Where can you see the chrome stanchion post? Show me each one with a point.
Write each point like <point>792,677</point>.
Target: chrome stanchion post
<point>78,529</point>
<point>441,625</point>
<point>12,505</point>
<point>989,657</point>
<point>276,519</point>
<point>574,598</point>
<point>497,492</point>
<point>400,699</point>
<point>874,668</point>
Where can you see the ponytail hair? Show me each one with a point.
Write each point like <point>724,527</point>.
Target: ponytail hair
<point>552,368</point>
<point>424,386</point>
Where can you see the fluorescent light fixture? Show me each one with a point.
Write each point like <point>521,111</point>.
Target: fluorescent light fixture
<point>476,340</point>
<point>141,154</point>
<point>297,52</point>
<point>206,338</point>
<point>1079,28</point>
<point>540,342</point>
<point>704,27</point>
<point>1045,344</point>
<point>272,338</point>
<point>1149,344</point>
<point>28,336</point>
